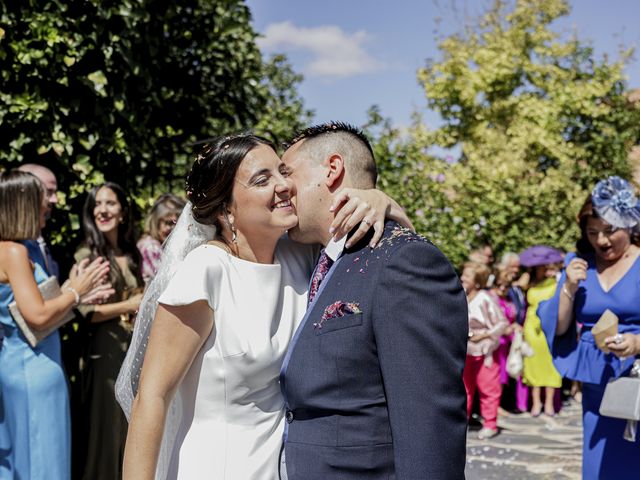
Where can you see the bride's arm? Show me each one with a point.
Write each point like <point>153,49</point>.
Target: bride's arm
<point>367,207</point>
<point>177,334</point>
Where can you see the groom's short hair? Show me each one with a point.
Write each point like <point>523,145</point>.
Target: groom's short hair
<point>350,142</point>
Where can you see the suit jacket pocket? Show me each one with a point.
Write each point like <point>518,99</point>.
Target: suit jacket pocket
<point>339,323</point>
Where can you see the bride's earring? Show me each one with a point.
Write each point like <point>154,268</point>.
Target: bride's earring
<point>234,235</point>
<point>234,232</point>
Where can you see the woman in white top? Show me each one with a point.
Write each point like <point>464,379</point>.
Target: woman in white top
<point>209,402</point>
<point>482,368</point>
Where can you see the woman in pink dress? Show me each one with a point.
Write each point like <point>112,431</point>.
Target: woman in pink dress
<point>500,293</point>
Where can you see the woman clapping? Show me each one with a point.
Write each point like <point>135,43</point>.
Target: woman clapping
<point>35,430</point>
<point>108,226</point>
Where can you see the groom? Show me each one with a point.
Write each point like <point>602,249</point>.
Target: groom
<point>373,378</point>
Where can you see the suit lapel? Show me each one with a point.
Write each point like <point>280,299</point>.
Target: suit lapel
<point>307,314</point>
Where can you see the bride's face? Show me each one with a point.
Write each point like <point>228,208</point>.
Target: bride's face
<point>262,194</point>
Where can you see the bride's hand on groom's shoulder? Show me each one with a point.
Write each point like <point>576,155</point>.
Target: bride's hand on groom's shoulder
<point>369,208</point>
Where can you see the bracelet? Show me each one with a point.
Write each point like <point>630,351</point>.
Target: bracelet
<point>566,292</point>
<point>75,294</point>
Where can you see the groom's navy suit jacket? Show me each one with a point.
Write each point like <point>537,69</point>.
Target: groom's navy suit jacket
<point>377,393</point>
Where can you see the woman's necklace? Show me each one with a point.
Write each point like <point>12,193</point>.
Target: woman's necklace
<point>224,245</point>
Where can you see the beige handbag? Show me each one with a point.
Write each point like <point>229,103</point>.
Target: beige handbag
<point>49,289</point>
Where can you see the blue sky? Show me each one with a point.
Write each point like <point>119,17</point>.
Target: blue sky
<point>356,53</point>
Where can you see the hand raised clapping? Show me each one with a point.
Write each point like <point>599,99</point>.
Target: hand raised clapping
<point>90,280</point>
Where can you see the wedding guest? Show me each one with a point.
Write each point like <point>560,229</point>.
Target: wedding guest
<point>510,261</point>
<point>35,426</point>
<point>500,293</point>
<point>539,372</point>
<point>484,255</point>
<point>158,225</point>
<point>40,253</point>
<point>487,250</point>
<point>604,274</point>
<point>108,226</point>
<point>38,248</point>
<point>482,368</point>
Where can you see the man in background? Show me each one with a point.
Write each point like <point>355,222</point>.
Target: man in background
<point>38,249</point>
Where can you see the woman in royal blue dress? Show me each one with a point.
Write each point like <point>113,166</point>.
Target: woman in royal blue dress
<point>34,403</point>
<point>605,274</point>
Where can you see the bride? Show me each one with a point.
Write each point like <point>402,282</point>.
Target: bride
<point>229,295</point>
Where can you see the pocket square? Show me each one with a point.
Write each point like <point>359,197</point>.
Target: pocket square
<point>336,310</point>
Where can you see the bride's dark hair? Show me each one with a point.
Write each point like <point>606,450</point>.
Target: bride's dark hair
<point>210,181</point>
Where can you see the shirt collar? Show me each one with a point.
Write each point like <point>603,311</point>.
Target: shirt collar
<point>335,248</point>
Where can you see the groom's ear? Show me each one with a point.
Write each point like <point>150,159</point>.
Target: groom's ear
<point>335,171</point>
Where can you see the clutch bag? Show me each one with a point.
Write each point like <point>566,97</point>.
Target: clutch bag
<point>621,399</point>
<point>607,326</point>
<point>49,289</point>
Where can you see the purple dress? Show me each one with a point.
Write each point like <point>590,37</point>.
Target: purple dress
<point>509,311</point>
<point>605,454</point>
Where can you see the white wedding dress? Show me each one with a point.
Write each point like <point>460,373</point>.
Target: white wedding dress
<point>229,404</point>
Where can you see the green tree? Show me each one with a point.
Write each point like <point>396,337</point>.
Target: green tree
<point>284,113</point>
<point>124,89</point>
<point>538,120</point>
<point>417,180</point>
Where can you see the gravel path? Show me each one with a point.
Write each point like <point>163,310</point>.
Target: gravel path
<point>529,448</point>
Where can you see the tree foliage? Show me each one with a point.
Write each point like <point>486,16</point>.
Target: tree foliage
<point>416,179</point>
<point>538,120</point>
<point>123,90</point>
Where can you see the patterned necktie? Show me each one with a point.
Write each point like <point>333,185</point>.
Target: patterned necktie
<point>324,264</point>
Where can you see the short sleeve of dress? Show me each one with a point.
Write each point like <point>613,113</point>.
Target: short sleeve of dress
<point>198,277</point>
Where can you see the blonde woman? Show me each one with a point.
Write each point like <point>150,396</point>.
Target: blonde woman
<point>159,223</point>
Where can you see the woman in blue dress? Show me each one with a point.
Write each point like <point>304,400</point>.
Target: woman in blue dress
<point>605,274</point>
<point>34,403</point>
